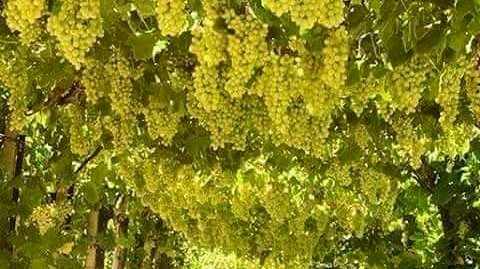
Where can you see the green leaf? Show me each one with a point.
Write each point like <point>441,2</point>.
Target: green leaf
<point>91,193</point>
<point>376,6</point>
<point>145,7</point>
<point>63,167</point>
<point>38,263</point>
<point>145,46</point>
<point>159,46</point>
<point>99,173</point>
<point>441,193</point>
<point>396,50</point>
<point>430,40</point>
<point>197,144</point>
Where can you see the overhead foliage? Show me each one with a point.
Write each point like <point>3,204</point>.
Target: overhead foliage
<point>294,134</point>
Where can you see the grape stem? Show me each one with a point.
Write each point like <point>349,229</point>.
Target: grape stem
<point>88,159</point>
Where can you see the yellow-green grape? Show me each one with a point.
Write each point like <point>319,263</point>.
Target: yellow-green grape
<point>83,134</point>
<point>243,200</point>
<point>277,7</point>
<point>66,248</point>
<point>339,174</point>
<point>448,96</point>
<point>335,58</point>
<point>306,13</point>
<point>171,16</point>
<point>180,80</point>
<point>227,126</point>
<point>277,85</point>
<point>77,26</point>
<point>281,84</point>
<point>472,79</point>
<point>378,188</point>
<point>320,101</point>
<point>362,93</point>
<point>93,79</point>
<point>328,13</point>
<point>455,140</point>
<point>362,137</point>
<point>120,75</point>
<point>207,86</point>
<point>406,85</point>
<point>23,16</point>
<point>13,74</point>
<point>209,45</point>
<point>410,144</point>
<point>123,130</point>
<point>161,123</point>
<point>45,217</point>
<point>247,49</point>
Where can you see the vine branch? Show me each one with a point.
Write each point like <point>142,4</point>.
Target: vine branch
<point>88,159</point>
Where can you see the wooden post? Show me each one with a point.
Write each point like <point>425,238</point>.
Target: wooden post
<point>92,232</point>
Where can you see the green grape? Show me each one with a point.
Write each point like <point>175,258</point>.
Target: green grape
<point>210,47</point>
<point>410,145</point>
<point>77,26</point>
<point>407,85</point>
<point>335,60</point>
<point>46,217</point>
<point>448,96</point>
<point>361,94</point>
<point>83,134</point>
<point>93,79</point>
<point>472,79</point>
<point>160,123</point>
<point>14,75</point>
<point>207,88</point>
<point>172,17</point>
<point>246,49</point>
<point>23,16</point>
<point>305,13</point>
<point>455,140</point>
<point>120,75</point>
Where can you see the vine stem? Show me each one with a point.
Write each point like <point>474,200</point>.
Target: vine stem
<point>88,159</point>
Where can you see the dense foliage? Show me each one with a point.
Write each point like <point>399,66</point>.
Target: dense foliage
<point>240,133</point>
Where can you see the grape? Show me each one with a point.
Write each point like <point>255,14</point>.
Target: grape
<point>335,60</point>
<point>407,84</point>
<point>411,145</point>
<point>472,78</point>
<point>14,75</point>
<point>93,79</point>
<point>172,17</point>
<point>46,217</point>
<point>23,16</point>
<point>161,124</point>
<point>448,96</point>
<point>306,13</point>
<point>84,134</point>
<point>77,26</point>
<point>246,49</point>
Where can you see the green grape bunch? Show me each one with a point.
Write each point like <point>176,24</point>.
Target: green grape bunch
<point>307,13</point>
<point>172,17</point>
<point>24,16</point>
<point>76,26</point>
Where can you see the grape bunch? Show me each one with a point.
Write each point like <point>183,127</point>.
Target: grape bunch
<point>335,53</point>
<point>24,16</point>
<point>448,96</point>
<point>407,84</point>
<point>172,17</point>
<point>14,75</point>
<point>77,26</point>
<point>46,217</point>
<point>307,13</point>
